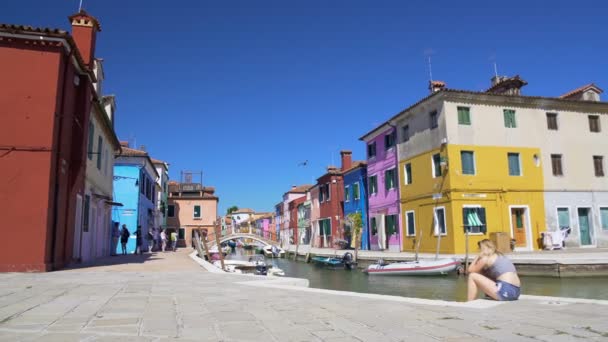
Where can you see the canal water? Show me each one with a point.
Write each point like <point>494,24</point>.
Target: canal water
<point>450,287</point>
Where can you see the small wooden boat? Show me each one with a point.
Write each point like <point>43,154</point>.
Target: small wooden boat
<point>345,261</point>
<point>414,268</point>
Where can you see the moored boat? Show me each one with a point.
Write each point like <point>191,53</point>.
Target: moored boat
<point>273,251</point>
<point>414,268</point>
<point>345,261</point>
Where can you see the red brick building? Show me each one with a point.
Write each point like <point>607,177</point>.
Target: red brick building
<point>47,94</point>
<point>331,202</point>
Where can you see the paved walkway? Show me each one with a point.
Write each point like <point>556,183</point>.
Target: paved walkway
<point>169,297</point>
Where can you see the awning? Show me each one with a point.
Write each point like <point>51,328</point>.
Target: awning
<point>473,220</point>
<point>115,204</point>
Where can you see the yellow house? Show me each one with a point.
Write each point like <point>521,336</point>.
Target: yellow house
<point>492,162</point>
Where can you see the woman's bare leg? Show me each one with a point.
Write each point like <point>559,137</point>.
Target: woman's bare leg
<point>477,281</point>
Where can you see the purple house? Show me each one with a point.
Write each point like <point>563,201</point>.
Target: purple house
<point>383,189</point>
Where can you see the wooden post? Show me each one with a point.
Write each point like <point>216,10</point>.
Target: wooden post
<point>203,239</point>
<point>219,247</point>
<point>466,250</point>
<point>297,237</point>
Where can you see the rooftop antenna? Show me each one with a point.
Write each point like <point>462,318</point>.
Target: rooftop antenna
<point>495,70</point>
<point>430,70</point>
<point>80,6</point>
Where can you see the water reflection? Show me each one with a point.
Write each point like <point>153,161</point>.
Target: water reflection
<point>451,287</point>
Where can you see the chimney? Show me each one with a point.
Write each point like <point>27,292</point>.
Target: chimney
<point>504,85</point>
<point>293,187</point>
<point>124,144</point>
<point>84,32</point>
<point>347,159</point>
<point>435,86</point>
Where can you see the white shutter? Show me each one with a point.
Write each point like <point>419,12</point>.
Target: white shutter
<point>381,231</point>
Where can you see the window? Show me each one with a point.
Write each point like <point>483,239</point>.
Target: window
<point>389,140</point>
<point>99,149</point>
<point>390,179</point>
<point>604,217</point>
<point>436,161</point>
<point>556,164</point>
<point>474,220</point>
<point>325,227</point>
<point>406,133</point>
<point>373,185</point>
<point>327,192</point>
<point>563,218</point>
<point>411,223</point>
<point>197,212</point>
<point>440,217</point>
<point>408,173</point>
<point>514,167</point>
<point>434,120</point>
<point>467,159</point>
<point>598,165</point>
<point>346,193</point>
<point>509,115</point>
<point>181,235</point>
<point>85,216</point>
<point>356,194</point>
<point>321,197</point>
<point>171,210</point>
<point>390,222</point>
<point>91,140</point>
<point>371,150</point>
<point>464,116</point>
<point>374,226</point>
<point>552,121</point>
<point>594,123</point>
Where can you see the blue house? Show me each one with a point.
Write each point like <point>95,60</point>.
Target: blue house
<point>135,187</point>
<point>355,197</point>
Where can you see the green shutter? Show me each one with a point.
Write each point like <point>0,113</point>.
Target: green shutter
<point>411,228</point>
<point>464,116</point>
<point>468,163</point>
<point>509,116</point>
<point>604,217</point>
<point>514,169</point>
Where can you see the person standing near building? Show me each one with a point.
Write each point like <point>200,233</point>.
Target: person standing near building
<point>163,239</point>
<point>138,241</point>
<point>124,238</point>
<point>151,240</point>
<point>174,240</point>
<point>157,242</point>
<point>115,237</point>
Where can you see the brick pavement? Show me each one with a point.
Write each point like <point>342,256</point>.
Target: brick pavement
<point>167,297</point>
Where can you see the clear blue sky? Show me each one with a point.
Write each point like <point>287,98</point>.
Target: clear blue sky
<point>245,90</point>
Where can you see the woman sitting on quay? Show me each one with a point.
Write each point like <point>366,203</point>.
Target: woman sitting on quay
<point>492,273</point>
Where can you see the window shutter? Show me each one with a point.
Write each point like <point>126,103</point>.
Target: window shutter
<point>481,213</point>
<point>465,222</point>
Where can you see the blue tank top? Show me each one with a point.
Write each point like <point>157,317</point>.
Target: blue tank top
<point>501,266</point>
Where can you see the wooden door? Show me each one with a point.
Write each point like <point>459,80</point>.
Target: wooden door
<point>518,219</point>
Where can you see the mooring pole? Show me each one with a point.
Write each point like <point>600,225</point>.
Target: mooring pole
<point>219,247</point>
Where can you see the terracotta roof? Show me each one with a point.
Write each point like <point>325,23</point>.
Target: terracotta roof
<point>581,89</point>
<point>158,161</point>
<point>299,189</point>
<point>84,13</point>
<point>131,152</point>
<point>355,165</point>
<point>438,83</point>
<point>244,211</point>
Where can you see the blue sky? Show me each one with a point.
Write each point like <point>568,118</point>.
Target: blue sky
<point>245,90</point>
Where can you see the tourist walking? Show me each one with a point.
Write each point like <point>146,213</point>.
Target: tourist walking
<point>157,242</point>
<point>115,237</point>
<point>174,240</point>
<point>138,241</point>
<point>150,239</point>
<point>163,239</point>
<point>492,273</point>
<point>124,238</point>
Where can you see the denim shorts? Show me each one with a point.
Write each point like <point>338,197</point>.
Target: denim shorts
<point>507,291</point>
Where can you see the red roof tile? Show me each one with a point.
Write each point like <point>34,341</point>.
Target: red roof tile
<point>581,89</point>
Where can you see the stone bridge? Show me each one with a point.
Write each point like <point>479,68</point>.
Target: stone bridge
<point>235,236</point>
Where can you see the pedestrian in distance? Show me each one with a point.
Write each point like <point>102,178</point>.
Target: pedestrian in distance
<point>150,239</point>
<point>157,242</point>
<point>138,241</point>
<point>492,273</point>
<point>174,240</point>
<point>163,239</point>
<point>115,237</point>
<point>124,238</point>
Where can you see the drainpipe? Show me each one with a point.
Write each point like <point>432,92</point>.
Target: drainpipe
<point>58,158</point>
<point>398,191</point>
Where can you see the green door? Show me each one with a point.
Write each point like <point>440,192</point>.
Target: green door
<point>584,226</point>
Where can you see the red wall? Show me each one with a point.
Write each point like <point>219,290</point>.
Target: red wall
<point>40,229</point>
<point>333,207</point>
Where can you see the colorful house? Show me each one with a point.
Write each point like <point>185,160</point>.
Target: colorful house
<point>500,164</point>
<point>314,214</point>
<point>47,81</point>
<point>191,207</point>
<point>134,187</point>
<point>288,226</point>
<point>355,198</point>
<point>304,222</point>
<point>383,188</point>
<point>162,193</point>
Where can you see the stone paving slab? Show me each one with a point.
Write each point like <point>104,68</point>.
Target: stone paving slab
<point>140,304</point>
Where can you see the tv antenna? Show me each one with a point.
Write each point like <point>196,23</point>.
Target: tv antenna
<point>495,70</point>
<point>80,6</point>
<point>430,70</point>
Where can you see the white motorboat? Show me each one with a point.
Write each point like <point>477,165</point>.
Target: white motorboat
<point>273,251</point>
<point>415,268</point>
